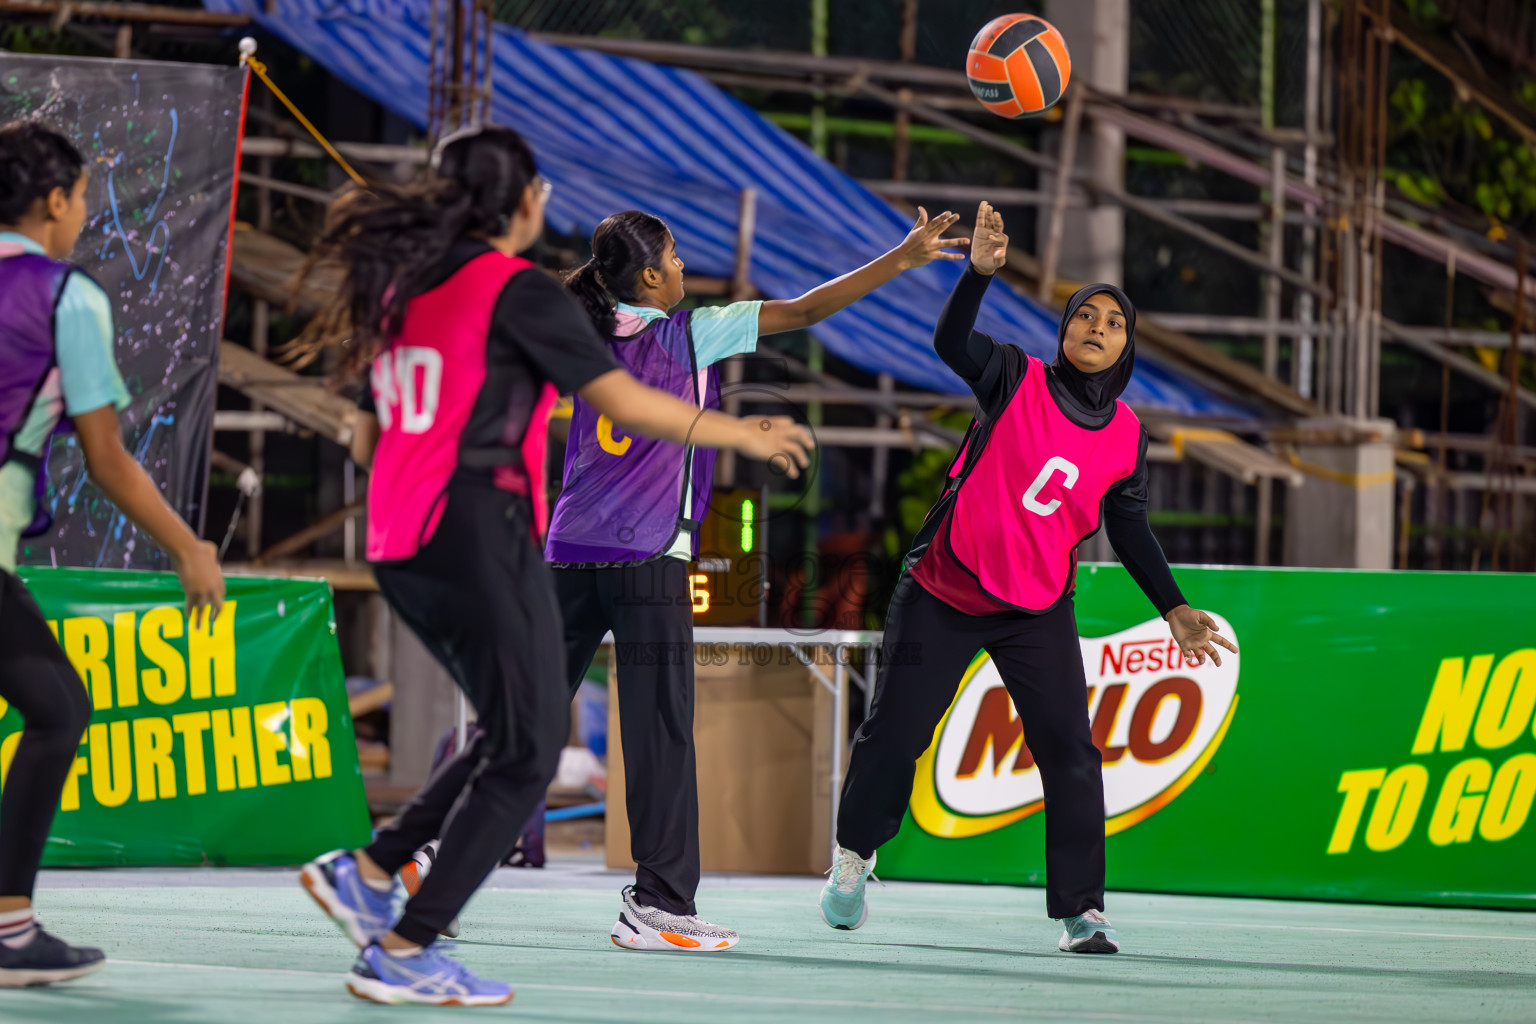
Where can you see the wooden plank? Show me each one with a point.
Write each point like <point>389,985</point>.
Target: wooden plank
<point>305,400</point>
<point>349,576</point>
<point>1223,451</point>
<point>266,266</point>
<point>371,699</point>
<point>314,531</point>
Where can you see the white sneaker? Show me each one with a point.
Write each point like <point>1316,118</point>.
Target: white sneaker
<point>1088,932</point>
<point>641,927</point>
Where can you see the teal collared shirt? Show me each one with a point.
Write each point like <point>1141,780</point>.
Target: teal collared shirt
<point>719,332</point>
<point>86,378</point>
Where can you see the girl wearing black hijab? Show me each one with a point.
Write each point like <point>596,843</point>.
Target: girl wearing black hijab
<point>1051,456</point>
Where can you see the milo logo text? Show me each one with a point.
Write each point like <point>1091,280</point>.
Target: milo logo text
<point>1155,718</point>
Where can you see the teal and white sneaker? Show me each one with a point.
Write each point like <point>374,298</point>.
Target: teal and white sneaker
<point>842,899</point>
<point>1088,932</point>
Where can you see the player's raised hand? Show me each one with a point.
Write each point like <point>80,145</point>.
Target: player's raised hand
<point>989,245</point>
<point>925,242</point>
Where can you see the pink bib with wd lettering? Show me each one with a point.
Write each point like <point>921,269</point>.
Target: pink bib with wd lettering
<point>1035,493</point>
<point>425,386</point>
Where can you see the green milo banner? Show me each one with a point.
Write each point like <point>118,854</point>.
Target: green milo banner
<point>1373,740</point>
<point>224,745</point>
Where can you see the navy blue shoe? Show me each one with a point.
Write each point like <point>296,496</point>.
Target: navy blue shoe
<point>45,960</point>
<point>363,913</point>
<point>428,978</point>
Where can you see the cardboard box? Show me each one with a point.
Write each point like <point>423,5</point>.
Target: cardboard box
<point>763,740</point>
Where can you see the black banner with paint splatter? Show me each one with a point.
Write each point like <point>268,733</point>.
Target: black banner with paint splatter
<point>160,141</point>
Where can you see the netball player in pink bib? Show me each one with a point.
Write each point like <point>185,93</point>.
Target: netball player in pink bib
<point>1052,456</point>
<point>468,345</point>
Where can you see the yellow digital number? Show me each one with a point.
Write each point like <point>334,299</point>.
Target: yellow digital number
<point>698,588</point>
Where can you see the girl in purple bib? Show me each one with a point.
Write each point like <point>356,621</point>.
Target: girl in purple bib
<point>1052,456</point>
<point>624,530</point>
<point>57,373</point>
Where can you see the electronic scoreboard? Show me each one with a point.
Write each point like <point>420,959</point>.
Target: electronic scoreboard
<point>729,579</point>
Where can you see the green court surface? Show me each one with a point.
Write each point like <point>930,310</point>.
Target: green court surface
<point>242,945</point>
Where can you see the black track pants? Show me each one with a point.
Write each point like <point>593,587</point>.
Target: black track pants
<point>40,683</point>
<point>480,597</point>
<point>1041,663</point>
<point>650,611</point>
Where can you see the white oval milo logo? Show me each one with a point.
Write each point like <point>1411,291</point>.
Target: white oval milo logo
<point>1156,719</point>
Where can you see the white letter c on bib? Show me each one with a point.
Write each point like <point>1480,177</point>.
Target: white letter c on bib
<point>1052,465</point>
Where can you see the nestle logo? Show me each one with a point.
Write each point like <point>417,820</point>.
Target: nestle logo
<point>1142,656</point>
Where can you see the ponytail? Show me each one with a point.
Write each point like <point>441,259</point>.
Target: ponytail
<point>389,240</point>
<point>622,246</point>
<point>586,284</point>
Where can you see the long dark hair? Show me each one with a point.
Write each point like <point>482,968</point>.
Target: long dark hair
<point>622,246</point>
<point>388,239</point>
<point>34,161</point>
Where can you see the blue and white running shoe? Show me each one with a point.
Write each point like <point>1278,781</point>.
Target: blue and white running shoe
<point>429,977</point>
<point>842,899</point>
<point>1088,932</point>
<point>363,913</point>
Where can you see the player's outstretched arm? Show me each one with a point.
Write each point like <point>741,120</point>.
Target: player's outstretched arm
<point>777,440</point>
<point>955,338</point>
<point>923,244</point>
<point>127,485</point>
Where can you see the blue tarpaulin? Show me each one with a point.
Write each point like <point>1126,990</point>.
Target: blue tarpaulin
<point>615,133</point>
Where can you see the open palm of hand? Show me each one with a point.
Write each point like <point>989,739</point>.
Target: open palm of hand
<point>989,245</point>
<point>926,242</point>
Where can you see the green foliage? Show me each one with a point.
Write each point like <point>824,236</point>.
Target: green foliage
<point>40,39</point>
<point>1443,151</point>
<point>1425,12</point>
